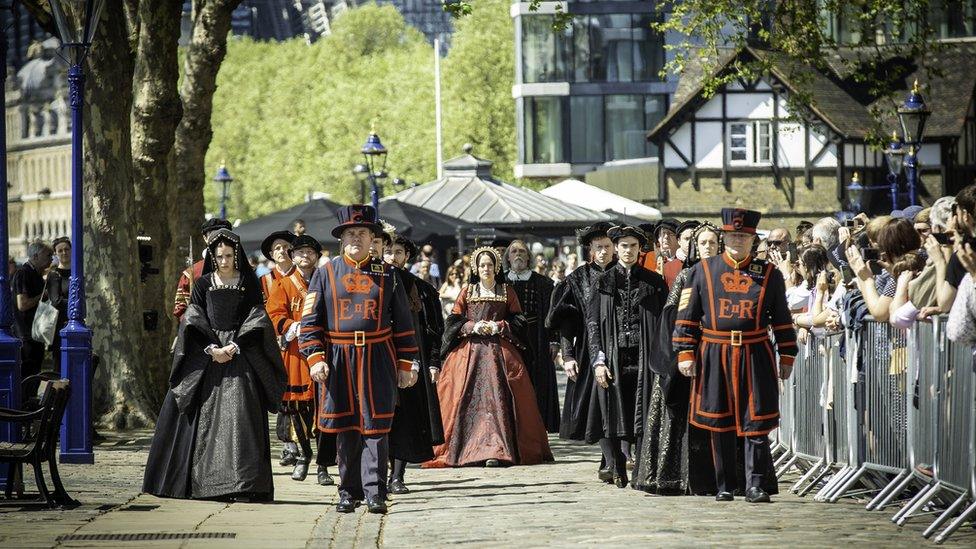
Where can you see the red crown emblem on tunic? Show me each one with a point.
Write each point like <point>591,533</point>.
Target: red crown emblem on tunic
<point>357,283</point>
<point>735,282</point>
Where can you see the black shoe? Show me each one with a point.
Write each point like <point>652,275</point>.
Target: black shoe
<point>620,481</point>
<point>376,505</point>
<point>724,496</point>
<point>757,495</point>
<point>346,505</point>
<point>493,463</point>
<point>300,472</point>
<point>397,486</point>
<point>288,458</point>
<point>606,475</point>
<point>325,479</point>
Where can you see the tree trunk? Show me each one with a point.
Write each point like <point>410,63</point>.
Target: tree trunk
<point>122,392</point>
<point>206,51</point>
<point>156,113</point>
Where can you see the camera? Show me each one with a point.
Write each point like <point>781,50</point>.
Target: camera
<point>870,254</point>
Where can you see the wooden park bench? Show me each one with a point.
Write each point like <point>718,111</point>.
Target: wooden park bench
<point>41,424</point>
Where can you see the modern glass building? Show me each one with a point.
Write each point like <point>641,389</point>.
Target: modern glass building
<point>588,94</point>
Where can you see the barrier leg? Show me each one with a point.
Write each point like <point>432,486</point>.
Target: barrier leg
<point>779,461</point>
<point>782,471</point>
<point>948,514</point>
<point>904,508</point>
<point>812,471</point>
<point>894,493</point>
<point>833,483</point>
<point>929,496</point>
<point>895,482</point>
<point>817,480</point>
<point>954,525</point>
<point>847,484</point>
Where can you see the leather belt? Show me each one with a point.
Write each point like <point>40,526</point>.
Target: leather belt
<point>735,338</point>
<point>359,338</point>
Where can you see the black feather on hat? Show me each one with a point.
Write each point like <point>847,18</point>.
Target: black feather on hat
<point>596,230</point>
<point>616,233</point>
<point>306,241</point>
<point>287,236</point>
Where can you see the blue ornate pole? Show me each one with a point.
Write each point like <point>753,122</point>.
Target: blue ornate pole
<point>374,195</point>
<point>9,345</point>
<point>76,338</point>
<point>911,173</point>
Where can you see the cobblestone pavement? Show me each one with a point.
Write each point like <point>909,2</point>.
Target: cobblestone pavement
<point>559,504</point>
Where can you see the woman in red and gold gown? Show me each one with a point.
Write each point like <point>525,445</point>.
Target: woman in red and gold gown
<point>487,402</point>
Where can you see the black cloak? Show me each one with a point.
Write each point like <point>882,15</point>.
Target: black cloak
<point>567,317</point>
<point>417,425</point>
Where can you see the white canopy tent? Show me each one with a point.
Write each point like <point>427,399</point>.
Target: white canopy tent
<point>595,198</point>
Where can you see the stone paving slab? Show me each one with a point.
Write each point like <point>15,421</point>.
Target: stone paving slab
<point>553,505</point>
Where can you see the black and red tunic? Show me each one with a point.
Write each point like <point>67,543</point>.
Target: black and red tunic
<point>726,315</point>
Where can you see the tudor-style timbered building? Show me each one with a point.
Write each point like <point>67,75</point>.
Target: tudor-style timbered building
<point>743,145</point>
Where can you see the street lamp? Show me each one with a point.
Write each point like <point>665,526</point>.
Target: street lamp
<point>76,21</point>
<point>223,180</point>
<point>375,155</point>
<point>855,193</point>
<point>913,114</point>
<point>895,154</point>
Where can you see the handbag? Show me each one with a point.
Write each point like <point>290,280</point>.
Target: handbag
<point>45,323</point>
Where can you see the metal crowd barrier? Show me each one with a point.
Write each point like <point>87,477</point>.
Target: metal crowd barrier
<point>883,412</point>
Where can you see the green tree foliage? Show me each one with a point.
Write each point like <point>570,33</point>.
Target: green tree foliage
<point>290,118</point>
<point>478,75</point>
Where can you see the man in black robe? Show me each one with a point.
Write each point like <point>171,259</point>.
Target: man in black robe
<point>534,292</point>
<point>417,425</point>
<point>622,322</point>
<point>567,317</point>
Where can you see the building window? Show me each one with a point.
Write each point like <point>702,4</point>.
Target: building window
<point>544,130</point>
<point>586,128</point>
<point>750,143</point>
<point>764,142</point>
<point>546,53</point>
<point>625,127</point>
<point>738,142</point>
<point>597,48</point>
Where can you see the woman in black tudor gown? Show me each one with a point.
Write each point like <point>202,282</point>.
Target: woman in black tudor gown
<point>664,464</point>
<point>211,438</point>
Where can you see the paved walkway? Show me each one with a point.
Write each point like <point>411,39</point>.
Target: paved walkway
<point>559,504</point>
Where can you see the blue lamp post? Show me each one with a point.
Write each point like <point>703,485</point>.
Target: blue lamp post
<point>9,345</point>
<point>913,114</point>
<point>375,154</point>
<point>76,21</point>
<point>223,179</point>
<point>895,154</point>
